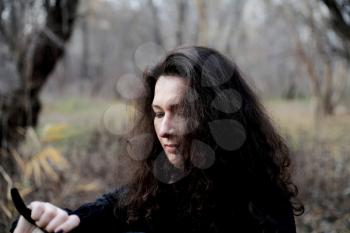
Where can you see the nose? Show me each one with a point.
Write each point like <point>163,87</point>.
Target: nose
<point>166,127</point>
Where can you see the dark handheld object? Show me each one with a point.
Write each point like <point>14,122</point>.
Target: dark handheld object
<point>21,207</point>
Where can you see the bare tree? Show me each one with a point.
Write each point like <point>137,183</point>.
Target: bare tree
<point>35,54</point>
<point>36,46</point>
<point>316,55</point>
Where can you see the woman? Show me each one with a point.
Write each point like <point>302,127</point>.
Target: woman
<point>210,160</point>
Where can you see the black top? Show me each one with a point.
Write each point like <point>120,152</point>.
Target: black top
<point>99,216</point>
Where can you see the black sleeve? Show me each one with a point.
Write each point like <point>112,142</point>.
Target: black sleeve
<point>286,221</point>
<point>99,216</point>
<point>281,221</point>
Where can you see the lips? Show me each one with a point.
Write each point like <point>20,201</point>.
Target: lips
<point>171,147</point>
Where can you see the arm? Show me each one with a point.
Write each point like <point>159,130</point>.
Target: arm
<point>46,216</point>
<point>99,216</point>
<point>90,217</point>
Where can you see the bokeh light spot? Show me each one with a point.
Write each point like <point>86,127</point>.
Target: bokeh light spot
<point>228,134</point>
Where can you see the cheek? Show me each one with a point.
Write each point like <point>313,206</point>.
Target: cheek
<point>187,125</point>
<point>156,126</point>
<point>181,125</point>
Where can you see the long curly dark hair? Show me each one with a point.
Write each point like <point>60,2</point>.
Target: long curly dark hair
<point>251,167</point>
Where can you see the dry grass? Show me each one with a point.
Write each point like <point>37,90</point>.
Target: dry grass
<point>321,155</point>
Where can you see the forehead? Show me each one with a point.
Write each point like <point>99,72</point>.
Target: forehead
<point>169,90</point>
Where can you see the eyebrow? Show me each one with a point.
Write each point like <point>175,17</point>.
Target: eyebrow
<point>155,106</point>
<point>172,106</point>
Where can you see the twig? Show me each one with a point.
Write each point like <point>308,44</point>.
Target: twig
<point>8,180</point>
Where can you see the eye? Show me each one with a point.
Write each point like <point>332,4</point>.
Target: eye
<point>158,114</point>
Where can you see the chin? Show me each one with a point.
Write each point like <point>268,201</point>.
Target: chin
<point>174,159</point>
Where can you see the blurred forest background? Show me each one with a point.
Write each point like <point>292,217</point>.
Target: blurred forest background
<point>65,74</point>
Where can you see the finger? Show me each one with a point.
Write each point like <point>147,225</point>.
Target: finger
<point>37,230</point>
<point>50,212</point>
<point>60,218</point>
<point>23,226</point>
<point>72,222</point>
<point>37,209</point>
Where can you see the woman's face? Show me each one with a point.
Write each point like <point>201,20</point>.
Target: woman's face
<point>169,123</point>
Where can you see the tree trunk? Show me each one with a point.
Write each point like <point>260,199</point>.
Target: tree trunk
<point>85,59</point>
<point>290,92</point>
<point>327,101</point>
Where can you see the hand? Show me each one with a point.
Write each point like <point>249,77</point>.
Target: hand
<point>48,217</point>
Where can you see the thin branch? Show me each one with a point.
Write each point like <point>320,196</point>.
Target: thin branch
<point>53,37</point>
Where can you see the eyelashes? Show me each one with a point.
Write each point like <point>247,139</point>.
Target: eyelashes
<point>158,114</point>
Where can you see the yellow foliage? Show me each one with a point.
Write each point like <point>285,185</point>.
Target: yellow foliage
<point>44,163</point>
<point>24,191</point>
<point>93,186</point>
<point>53,133</point>
<point>48,169</point>
<point>20,162</point>
<point>37,172</point>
